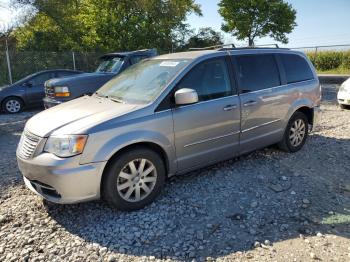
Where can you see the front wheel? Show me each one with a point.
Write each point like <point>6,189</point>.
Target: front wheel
<point>295,134</point>
<point>134,179</point>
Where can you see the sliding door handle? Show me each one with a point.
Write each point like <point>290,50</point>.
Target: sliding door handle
<point>230,107</point>
<point>250,103</point>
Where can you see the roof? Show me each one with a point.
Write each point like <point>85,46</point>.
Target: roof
<point>243,50</point>
<point>151,52</point>
<point>186,55</point>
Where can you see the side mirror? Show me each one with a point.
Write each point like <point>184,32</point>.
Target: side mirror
<point>186,96</point>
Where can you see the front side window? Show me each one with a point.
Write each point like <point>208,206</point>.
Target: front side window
<point>257,72</point>
<point>210,79</point>
<point>296,68</point>
<point>110,64</point>
<point>142,82</point>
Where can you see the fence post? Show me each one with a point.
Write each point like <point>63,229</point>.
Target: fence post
<point>316,51</point>
<point>8,62</point>
<point>73,55</point>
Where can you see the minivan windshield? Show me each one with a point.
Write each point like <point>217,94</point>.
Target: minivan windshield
<point>111,64</point>
<point>142,82</point>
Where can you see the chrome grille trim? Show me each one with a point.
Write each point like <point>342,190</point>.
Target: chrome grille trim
<point>28,144</point>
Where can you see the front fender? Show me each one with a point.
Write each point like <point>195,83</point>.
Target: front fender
<point>111,146</point>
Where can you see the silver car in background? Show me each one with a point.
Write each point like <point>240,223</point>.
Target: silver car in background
<point>168,115</point>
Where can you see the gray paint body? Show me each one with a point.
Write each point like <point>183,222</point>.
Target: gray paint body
<point>191,136</point>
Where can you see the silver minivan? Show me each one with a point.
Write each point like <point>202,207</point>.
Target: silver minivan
<point>165,116</point>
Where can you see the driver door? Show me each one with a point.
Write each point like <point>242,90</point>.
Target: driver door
<point>207,131</point>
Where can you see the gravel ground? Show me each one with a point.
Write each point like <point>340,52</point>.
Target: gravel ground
<point>267,205</point>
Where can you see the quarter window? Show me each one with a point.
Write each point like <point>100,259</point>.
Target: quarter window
<point>296,68</point>
<point>210,79</point>
<point>257,72</point>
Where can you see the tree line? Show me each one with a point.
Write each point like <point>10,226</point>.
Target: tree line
<point>105,25</point>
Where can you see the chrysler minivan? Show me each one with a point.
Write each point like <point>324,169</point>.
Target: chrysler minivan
<point>166,116</point>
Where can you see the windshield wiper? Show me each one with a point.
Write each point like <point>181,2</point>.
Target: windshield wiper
<point>113,98</point>
<point>116,99</point>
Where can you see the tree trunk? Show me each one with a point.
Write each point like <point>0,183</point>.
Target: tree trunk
<point>250,42</point>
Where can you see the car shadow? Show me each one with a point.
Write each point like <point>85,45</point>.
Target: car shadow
<point>265,195</point>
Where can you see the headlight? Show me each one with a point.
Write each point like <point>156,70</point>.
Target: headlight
<point>62,91</point>
<point>65,146</point>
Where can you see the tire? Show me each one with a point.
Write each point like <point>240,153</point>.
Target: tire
<point>12,105</point>
<point>292,142</point>
<point>121,184</point>
<point>343,106</point>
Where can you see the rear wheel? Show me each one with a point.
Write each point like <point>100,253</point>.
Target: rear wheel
<point>134,179</point>
<point>295,134</point>
<point>12,105</point>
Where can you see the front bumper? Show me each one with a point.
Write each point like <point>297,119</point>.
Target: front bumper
<point>50,102</point>
<point>62,180</point>
<point>343,98</point>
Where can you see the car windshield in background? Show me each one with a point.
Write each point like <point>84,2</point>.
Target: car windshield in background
<point>143,82</point>
<point>112,64</point>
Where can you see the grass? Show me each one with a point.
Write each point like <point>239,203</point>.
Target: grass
<point>336,71</point>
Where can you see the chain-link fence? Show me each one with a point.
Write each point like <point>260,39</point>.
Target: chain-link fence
<point>23,63</point>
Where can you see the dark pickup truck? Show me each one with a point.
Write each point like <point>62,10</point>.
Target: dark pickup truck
<point>61,90</point>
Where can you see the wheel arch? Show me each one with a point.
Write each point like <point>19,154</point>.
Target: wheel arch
<point>308,111</point>
<point>305,106</point>
<point>14,96</point>
<point>146,144</point>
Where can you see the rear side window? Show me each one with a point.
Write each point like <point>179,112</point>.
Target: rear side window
<point>296,67</point>
<point>257,72</point>
<point>210,79</point>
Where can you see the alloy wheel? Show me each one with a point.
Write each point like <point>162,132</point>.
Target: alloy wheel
<point>297,132</point>
<point>13,106</point>
<point>136,180</point>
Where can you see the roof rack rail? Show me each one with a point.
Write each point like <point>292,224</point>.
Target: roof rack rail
<point>276,45</point>
<point>211,47</point>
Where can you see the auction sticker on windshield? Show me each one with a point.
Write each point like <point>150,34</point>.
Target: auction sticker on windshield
<point>169,63</point>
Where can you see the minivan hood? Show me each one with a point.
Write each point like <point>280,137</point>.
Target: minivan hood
<point>80,78</point>
<point>76,116</point>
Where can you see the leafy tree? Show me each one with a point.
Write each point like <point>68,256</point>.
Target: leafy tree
<point>205,37</point>
<point>104,25</point>
<point>249,19</point>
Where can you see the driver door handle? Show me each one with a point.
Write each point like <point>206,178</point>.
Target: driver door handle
<point>230,107</point>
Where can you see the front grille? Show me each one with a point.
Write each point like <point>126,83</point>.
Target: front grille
<point>49,91</point>
<point>28,144</point>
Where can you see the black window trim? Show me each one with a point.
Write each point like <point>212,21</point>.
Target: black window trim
<point>235,65</point>
<point>168,101</point>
